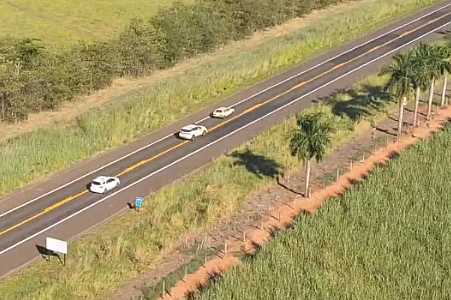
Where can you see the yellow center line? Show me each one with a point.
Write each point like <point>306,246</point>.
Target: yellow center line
<point>64,201</point>
<point>145,161</point>
<point>45,211</point>
<point>22,223</point>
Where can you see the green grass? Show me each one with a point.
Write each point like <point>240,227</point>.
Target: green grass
<point>129,245</point>
<point>388,238</point>
<point>64,22</point>
<point>28,158</point>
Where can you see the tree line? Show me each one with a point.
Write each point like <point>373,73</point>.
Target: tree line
<point>417,72</point>
<point>412,74</point>
<point>33,78</point>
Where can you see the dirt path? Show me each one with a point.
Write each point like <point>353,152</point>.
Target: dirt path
<point>283,215</point>
<point>260,205</point>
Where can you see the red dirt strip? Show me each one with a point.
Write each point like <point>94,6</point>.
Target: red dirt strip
<point>283,217</point>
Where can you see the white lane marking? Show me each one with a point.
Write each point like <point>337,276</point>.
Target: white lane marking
<point>234,105</point>
<point>221,138</point>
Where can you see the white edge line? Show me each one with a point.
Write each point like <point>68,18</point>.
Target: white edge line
<point>234,105</point>
<point>220,139</point>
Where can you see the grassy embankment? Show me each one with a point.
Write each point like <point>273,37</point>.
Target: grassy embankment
<point>60,23</point>
<point>33,156</point>
<point>388,238</point>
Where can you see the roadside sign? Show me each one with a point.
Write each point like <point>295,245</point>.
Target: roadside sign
<point>56,245</point>
<point>139,202</point>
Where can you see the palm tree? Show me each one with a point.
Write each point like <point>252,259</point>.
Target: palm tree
<point>420,77</point>
<point>444,68</point>
<point>309,141</point>
<point>436,65</point>
<point>400,83</point>
<point>445,86</point>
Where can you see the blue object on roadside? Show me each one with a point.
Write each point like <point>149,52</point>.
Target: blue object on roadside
<point>139,202</point>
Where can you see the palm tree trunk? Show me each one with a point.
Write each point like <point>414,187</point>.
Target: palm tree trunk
<point>307,178</point>
<point>445,84</point>
<point>431,97</point>
<point>400,117</point>
<point>417,102</point>
<point>2,118</point>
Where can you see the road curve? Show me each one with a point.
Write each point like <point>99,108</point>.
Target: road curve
<point>65,210</point>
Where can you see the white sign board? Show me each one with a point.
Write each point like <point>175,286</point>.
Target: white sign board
<point>56,245</point>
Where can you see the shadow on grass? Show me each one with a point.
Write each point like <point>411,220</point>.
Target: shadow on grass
<point>257,164</point>
<point>361,103</point>
<point>47,254</point>
<point>386,131</point>
<point>412,111</point>
<point>288,188</point>
<point>261,166</point>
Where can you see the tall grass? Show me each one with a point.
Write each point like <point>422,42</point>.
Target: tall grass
<point>27,158</point>
<point>129,245</point>
<point>388,238</point>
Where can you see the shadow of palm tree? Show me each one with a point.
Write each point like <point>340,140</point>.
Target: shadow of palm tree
<point>256,164</point>
<point>361,103</point>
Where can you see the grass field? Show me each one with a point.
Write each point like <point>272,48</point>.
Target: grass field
<point>191,205</point>
<point>28,158</point>
<point>64,22</point>
<point>388,238</point>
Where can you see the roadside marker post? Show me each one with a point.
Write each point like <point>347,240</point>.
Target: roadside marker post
<point>139,201</point>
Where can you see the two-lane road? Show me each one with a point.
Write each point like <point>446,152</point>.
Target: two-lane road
<point>70,208</point>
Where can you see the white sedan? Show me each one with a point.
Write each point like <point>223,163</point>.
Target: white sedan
<point>222,112</point>
<point>103,184</point>
<point>190,132</point>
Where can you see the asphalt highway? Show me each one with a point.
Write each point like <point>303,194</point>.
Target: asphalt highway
<point>66,209</point>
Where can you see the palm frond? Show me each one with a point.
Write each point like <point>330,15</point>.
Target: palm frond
<point>311,137</point>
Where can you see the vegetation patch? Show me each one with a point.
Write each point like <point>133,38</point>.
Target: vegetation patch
<point>44,151</point>
<point>128,246</point>
<point>33,79</point>
<point>386,238</point>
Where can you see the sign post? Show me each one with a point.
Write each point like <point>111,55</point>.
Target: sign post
<point>139,201</point>
<point>57,246</point>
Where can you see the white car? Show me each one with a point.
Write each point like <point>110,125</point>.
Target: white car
<point>222,112</point>
<point>190,132</point>
<point>103,184</point>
